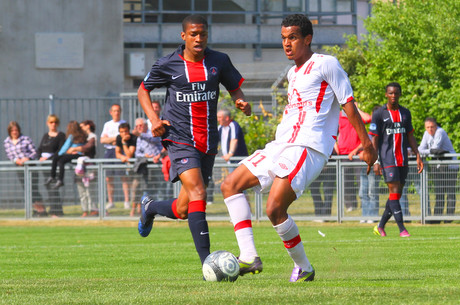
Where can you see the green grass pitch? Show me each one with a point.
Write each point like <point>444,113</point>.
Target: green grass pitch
<point>109,263</point>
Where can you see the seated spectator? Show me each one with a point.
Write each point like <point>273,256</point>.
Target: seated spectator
<point>20,149</point>
<point>124,150</point>
<point>50,144</point>
<point>75,137</point>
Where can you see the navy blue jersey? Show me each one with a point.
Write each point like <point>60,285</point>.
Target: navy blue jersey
<point>392,128</point>
<point>191,96</point>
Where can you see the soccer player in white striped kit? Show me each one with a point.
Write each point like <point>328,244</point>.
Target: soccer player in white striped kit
<point>304,140</point>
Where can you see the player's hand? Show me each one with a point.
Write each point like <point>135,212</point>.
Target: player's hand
<point>377,169</point>
<point>369,156</point>
<point>419,164</point>
<point>243,106</point>
<point>158,129</point>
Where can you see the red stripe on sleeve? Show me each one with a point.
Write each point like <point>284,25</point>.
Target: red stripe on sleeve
<point>298,166</point>
<point>350,99</point>
<point>143,87</point>
<point>239,85</point>
<point>288,244</point>
<point>197,206</point>
<point>243,224</point>
<point>320,97</point>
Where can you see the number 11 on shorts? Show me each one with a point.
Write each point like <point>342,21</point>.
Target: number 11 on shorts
<point>257,159</point>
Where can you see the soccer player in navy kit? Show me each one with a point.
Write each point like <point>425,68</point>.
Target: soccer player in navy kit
<point>392,129</point>
<point>188,126</point>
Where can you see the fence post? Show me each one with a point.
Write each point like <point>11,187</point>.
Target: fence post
<point>51,104</point>
<point>339,186</point>
<point>27,192</point>
<point>424,196</point>
<point>101,189</point>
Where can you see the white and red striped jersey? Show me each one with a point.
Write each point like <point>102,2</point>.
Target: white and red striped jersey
<point>315,91</point>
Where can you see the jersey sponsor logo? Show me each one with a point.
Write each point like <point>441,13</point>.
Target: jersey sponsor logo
<point>197,95</point>
<point>391,131</point>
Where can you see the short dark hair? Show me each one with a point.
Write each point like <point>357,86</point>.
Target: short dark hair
<point>194,19</point>
<point>301,21</point>
<point>123,126</point>
<point>431,119</point>
<point>394,84</point>
<point>91,124</point>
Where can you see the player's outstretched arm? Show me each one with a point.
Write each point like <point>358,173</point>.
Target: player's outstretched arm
<point>369,153</point>
<point>240,103</point>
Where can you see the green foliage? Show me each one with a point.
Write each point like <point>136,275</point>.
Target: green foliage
<point>415,43</point>
<point>258,129</point>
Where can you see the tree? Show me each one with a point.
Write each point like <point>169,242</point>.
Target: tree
<point>415,43</point>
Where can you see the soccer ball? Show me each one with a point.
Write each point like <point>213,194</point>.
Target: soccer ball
<point>221,266</point>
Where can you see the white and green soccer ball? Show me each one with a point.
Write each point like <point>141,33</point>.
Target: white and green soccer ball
<point>221,266</point>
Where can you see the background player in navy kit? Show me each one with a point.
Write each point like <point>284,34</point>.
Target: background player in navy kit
<point>392,129</point>
<point>188,126</point>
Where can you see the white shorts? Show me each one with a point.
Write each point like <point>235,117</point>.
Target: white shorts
<point>301,164</point>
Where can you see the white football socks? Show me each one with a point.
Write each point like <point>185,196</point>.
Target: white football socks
<point>289,233</point>
<point>240,215</point>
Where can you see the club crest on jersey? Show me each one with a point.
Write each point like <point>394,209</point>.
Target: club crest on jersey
<point>213,71</point>
<point>184,161</point>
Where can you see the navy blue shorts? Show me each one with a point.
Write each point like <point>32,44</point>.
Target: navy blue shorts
<point>395,174</point>
<point>185,157</point>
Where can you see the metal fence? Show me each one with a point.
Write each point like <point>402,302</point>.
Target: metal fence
<point>341,193</point>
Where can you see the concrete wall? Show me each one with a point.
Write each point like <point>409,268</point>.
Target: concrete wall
<point>98,22</point>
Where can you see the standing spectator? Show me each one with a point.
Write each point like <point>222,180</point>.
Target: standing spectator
<point>436,141</point>
<point>20,149</point>
<point>75,137</point>
<point>347,142</point>
<point>231,136</point>
<point>50,144</point>
<point>88,206</point>
<point>304,140</point>
<point>188,127</point>
<point>368,186</point>
<point>147,147</point>
<point>108,138</point>
<point>392,129</point>
<point>124,150</point>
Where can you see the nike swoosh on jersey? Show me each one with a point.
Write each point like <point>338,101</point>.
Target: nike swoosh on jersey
<point>203,233</point>
<point>176,76</point>
<point>386,119</point>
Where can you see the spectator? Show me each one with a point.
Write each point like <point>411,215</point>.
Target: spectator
<point>75,137</point>
<point>347,142</point>
<point>231,136</point>
<point>50,144</point>
<point>368,186</point>
<point>436,141</point>
<point>124,150</point>
<point>108,138</point>
<point>393,133</point>
<point>147,147</point>
<point>323,202</point>
<point>20,149</point>
<point>83,178</point>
